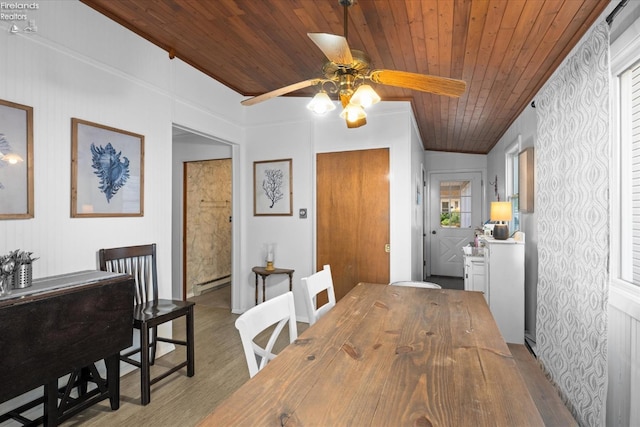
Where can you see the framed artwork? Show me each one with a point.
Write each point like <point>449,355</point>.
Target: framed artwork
<point>107,171</point>
<point>16,161</point>
<point>272,188</point>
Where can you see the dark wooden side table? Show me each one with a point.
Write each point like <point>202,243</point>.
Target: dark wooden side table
<point>264,273</point>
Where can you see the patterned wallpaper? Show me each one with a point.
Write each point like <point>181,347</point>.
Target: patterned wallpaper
<point>572,177</point>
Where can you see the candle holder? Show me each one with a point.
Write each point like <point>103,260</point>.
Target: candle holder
<point>270,249</point>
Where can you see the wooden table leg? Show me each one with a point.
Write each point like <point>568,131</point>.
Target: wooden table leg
<point>51,403</point>
<point>112,363</point>
<point>256,288</point>
<point>264,290</point>
<point>290,282</point>
<point>191,364</point>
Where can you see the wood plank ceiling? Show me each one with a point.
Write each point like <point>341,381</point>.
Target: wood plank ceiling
<point>504,49</point>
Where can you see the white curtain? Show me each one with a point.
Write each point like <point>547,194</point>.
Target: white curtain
<point>572,201</point>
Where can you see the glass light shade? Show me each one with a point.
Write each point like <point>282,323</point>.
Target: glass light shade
<point>500,211</point>
<point>353,113</point>
<point>365,96</point>
<point>321,103</point>
<point>12,158</point>
<point>269,252</point>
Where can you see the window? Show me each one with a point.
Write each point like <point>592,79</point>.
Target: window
<point>629,178</point>
<point>625,169</point>
<point>455,204</point>
<point>512,183</point>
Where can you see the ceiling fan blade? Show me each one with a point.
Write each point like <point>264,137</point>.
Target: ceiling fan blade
<point>422,82</point>
<point>335,48</point>
<point>281,91</point>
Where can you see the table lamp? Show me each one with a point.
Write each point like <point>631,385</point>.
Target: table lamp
<point>500,212</point>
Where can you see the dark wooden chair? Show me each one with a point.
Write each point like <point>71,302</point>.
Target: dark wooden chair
<point>149,312</point>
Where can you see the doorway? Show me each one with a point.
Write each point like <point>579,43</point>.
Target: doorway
<point>353,217</point>
<point>190,146</point>
<point>207,225</point>
<point>455,211</point>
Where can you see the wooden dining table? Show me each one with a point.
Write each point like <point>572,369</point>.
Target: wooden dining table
<point>390,356</point>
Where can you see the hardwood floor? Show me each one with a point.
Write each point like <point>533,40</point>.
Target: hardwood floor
<point>179,400</point>
<point>447,282</point>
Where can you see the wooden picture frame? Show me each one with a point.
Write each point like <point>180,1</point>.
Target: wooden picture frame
<point>16,161</point>
<point>107,171</point>
<point>526,181</point>
<point>272,188</point>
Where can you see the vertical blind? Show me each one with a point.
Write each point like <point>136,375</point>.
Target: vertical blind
<point>633,130</point>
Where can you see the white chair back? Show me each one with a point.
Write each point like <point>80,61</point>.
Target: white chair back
<point>312,286</point>
<point>427,285</point>
<point>276,311</point>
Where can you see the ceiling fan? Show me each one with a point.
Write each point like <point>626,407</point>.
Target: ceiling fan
<point>346,73</point>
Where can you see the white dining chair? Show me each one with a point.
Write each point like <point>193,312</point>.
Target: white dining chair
<point>314,285</point>
<point>427,285</point>
<point>275,311</point>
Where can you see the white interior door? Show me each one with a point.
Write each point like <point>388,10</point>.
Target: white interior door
<point>455,212</point>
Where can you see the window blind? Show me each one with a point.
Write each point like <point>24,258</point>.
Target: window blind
<point>635,166</point>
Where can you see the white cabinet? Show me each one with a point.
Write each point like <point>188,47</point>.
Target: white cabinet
<point>474,274</point>
<point>504,274</point>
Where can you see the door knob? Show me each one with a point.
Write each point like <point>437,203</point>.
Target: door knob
<point>433,232</point>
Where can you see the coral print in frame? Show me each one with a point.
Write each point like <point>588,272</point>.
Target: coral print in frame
<point>16,161</point>
<point>107,171</point>
<point>272,184</point>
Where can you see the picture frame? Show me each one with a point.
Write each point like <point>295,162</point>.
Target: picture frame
<point>272,187</point>
<point>107,171</point>
<point>16,161</point>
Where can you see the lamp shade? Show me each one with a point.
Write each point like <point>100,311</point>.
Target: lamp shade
<point>321,103</point>
<point>501,211</point>
<point>365,96</point>
<point>353,113</point>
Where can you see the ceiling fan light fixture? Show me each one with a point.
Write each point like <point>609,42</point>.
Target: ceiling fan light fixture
<point>321,103</point>
<point>352,113</point>
<point>365,96</point>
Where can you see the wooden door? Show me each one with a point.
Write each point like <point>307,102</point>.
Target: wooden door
<point>353,217</point>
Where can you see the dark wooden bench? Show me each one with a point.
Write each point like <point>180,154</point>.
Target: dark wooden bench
<point>544,394</point>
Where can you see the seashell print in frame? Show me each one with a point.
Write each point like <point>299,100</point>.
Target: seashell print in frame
<point>107,171</point>
<point>16,161</point>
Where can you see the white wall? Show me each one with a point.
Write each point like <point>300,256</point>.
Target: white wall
<point>417,204</point>
<point>81,64</point>
<point>285,129</point>
<point>525,127</point>
<point>62,75</point>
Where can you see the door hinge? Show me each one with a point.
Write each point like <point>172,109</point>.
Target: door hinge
<point>387,248</point>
